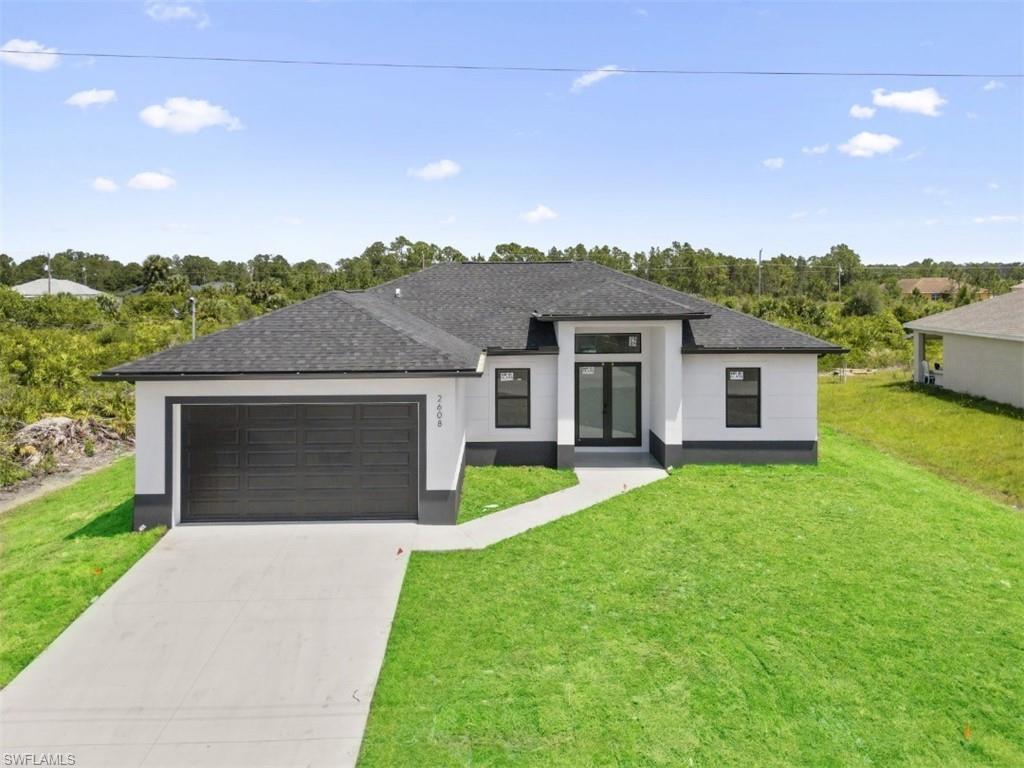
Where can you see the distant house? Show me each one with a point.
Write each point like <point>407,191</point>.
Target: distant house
<point>46,286</point>
<point>982,348</point>
<point>930,287</point>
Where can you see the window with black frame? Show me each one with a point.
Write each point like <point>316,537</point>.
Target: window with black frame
<point>743,397</point>
<point>512,397</point>
<point>607,343</point>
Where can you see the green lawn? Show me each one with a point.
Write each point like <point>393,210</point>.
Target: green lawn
<point>57,554</point>
<point>863,612</point>
<point>975,442</point>
<point>488,489</point>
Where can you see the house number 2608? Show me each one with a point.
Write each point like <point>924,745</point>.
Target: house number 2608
<point>440,412</point>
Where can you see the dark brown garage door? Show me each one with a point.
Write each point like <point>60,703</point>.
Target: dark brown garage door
<point>299,461</point>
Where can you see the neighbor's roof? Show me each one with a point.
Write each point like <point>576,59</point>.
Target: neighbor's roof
<point>42,287</point>
<point>1001,317</point>
<point>334,333</point>
<point>927,285</point>
<point>447,314</point>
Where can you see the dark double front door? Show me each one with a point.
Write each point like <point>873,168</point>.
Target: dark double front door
<point>608,404</point>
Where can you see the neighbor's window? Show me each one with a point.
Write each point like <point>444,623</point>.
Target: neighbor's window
<point>607,343</point>
<point>743,397</point>
<point>512,397</point>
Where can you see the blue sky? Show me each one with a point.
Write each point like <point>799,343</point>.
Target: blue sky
<point>315,162</point>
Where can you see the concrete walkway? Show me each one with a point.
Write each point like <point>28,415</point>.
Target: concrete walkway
<point>248,645</point>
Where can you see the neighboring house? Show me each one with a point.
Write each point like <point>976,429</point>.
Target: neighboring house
<point>43,287</point>
<point>367,405</point>
<point>982,348</point>
<point>930,287</point>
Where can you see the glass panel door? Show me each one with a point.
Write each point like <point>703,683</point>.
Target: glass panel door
<point>625,401</point>
<point>590,401</point>
<point>608,404</point>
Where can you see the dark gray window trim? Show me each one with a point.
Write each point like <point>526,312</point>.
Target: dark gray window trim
<point>729,397</point>
<point>527,398</point>
<point>170,402</point>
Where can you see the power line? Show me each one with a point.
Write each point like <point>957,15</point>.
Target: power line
<point>513,68</point>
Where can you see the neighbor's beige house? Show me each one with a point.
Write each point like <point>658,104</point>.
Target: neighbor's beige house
<point>982,349</point>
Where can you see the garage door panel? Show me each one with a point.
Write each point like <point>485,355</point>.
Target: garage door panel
<point>299,461</point>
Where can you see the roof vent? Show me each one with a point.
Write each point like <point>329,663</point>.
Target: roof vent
<point>398,293</point>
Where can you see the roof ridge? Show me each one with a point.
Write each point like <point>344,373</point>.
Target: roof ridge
<point>383,312</point>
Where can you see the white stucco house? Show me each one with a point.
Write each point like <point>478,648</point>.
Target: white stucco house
<point>982,349</point>
<point>368,405</point>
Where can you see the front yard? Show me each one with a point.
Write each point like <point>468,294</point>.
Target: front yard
<point>491,489</point>
<point>861,612</point>
<point>59,553</point>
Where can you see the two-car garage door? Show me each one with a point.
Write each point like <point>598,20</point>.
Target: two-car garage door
<point>298,461</point>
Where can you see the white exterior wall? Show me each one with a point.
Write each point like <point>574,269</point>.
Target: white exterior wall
<point>445,444</point>
<point>480,405</point>
<point>789,397</point>
<point>992,368</point>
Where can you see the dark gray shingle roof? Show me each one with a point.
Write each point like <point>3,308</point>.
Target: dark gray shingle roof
<point>447,314</point>
<point>331,333</point>
<point>1001,317</point>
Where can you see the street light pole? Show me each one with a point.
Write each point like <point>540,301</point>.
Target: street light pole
<point>192,305</point>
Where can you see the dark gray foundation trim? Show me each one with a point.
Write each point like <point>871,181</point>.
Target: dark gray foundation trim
<point>749,452</point>
<point>151,510</point>
<point>512,454</point>
<point>666,455</point>
<point>566,457</point>
<point>440,506</point>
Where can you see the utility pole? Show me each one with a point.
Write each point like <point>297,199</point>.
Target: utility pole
<point>49,276</point>
<point>759,273</point>
<point>839,270</point>
<point>83,275</point>
<point>192,306</point>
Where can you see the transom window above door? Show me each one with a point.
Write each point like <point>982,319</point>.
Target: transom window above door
<point>607,343</point>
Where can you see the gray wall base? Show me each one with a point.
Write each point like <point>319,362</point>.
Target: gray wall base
<point>566,457</point>
<point>151,510</point>
<point>540,454</point>
<point>666,455</point>
<point>439,507</point>
<point>749,452</point>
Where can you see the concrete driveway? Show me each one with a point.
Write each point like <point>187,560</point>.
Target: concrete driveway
<point>224,646</point>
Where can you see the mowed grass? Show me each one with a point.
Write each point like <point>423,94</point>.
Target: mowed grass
<point>60,552</point>
<point>973,441</point>
<point>863,612</point>
<point>489,489</point>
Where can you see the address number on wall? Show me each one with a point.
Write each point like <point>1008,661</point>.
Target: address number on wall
<point>440,411</point>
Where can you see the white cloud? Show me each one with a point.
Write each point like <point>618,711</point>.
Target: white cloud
<point>440,169</point>
<point>594,76</point>
<point>773,163</point>
<point>913,155</point>
<point>818,149</point>
<point>925,101</point>
<point>799,215</point>
<point>161,11</point>
<point>866,144</point>
<point>92,97</point>
<point>997,219</point>
<point>28,54</point>
<point>448,220</point>
<point>103,184</point>
<point>538,214</point>
<point>993,85</point>
<point>862,113</point>
<point>151,181</point>
<point>971,115</point>
<point>640,11</point>
<point>182,115</point>
<point>993,185</point>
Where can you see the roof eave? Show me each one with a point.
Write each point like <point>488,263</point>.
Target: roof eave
<point>764,350</point>
<point>657,316</point>
<point>232,375</point>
